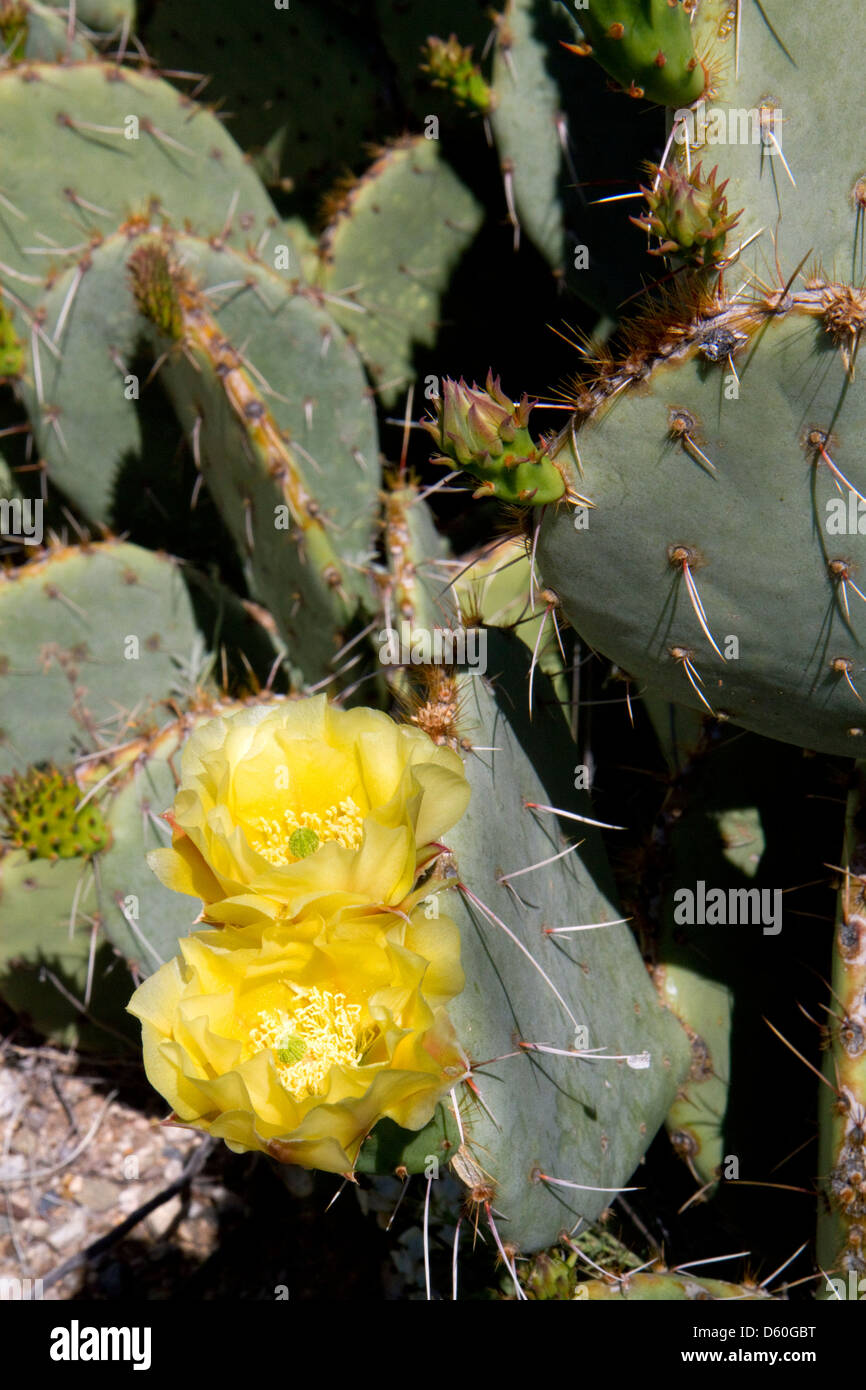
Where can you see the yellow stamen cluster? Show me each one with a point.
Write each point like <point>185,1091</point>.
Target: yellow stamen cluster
<point>296,834</point>
<point>321,1032</point>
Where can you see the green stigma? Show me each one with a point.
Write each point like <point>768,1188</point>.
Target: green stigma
<point>292,1050</point>
<point>303,841</point>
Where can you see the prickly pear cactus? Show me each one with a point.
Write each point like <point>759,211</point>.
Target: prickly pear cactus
<point>431,531</point>
<point>103,631</point>
<point>734,400</point>
<point>647,46</point>
<point>537,1002</point>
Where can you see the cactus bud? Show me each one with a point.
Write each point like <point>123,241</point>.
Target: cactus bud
<point>451,66</point>
<point>485,433</point>
<point>689,213</point>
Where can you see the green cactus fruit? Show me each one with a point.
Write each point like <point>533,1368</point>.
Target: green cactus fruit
<point>483,432</point>
<point>56,969</point>
<point>841,1246</point>
<point>388,253</point>
<point>100,632</point>
<point>105,147</point>
<point>689,213</point>
<point>721,558</point>
<point>646,45</point>
<point>451,67</point>
<point>43,816</point>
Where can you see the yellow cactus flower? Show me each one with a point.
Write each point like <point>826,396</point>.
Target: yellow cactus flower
<point>295,1038</point>
<point>301,806</point>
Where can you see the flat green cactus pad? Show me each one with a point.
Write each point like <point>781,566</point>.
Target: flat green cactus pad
<point>577,1120</point>
<point>769,101</point>
<point>103,144</point>
<point>93,638</point>
<point>45,966</point>
<point>302,378</point>
<point>746,494</point>
<point>390,252</point>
